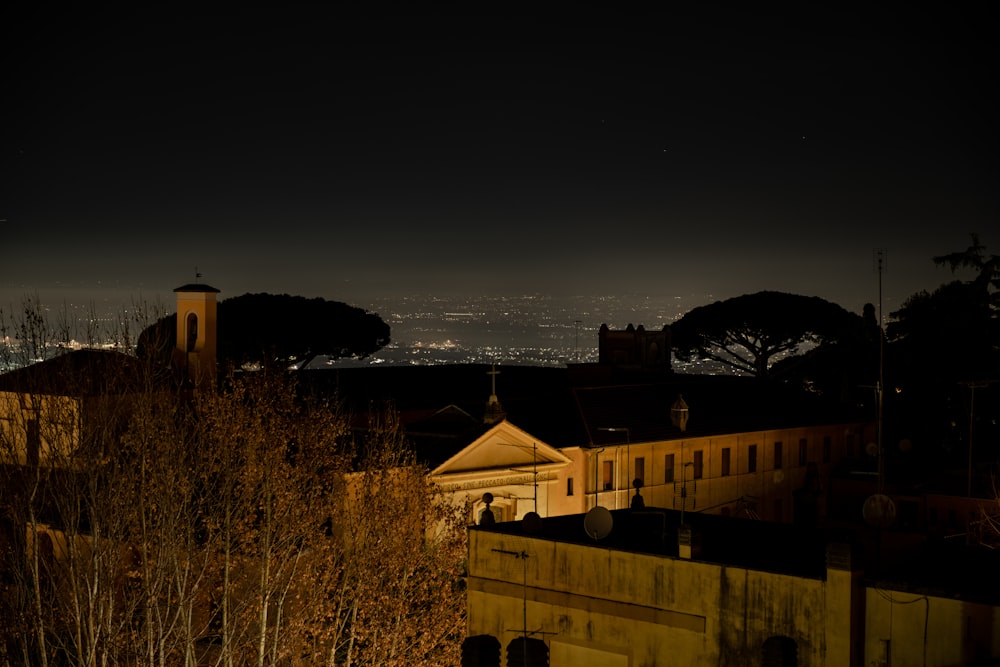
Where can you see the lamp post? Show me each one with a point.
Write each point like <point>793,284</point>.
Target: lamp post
<point>576,348</point>
<point>684,490</point>
<point>597,472</point>
<point>628,458</point>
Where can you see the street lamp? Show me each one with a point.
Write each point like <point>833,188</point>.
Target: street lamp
<point>628,458</point>
<point>684,490</point>
<point>597,472</point>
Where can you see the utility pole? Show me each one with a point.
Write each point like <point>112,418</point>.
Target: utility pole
<point>972,397</point>
<point>576,349</point>
<point>628,456</point>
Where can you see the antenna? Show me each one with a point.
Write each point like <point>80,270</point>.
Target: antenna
<point>523,557</point>
<point>598,523</point>
<point>534,465</point>
<point>576,324</point>
<point>880,257</point>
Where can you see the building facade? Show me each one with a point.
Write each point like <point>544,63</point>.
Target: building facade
<point>630,595</point>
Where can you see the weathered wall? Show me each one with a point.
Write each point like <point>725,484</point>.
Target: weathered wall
<point>591,603</point>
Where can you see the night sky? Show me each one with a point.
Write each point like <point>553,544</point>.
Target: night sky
<point>355,157</point>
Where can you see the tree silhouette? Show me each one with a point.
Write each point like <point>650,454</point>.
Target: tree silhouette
<point>278,328</point>
<point>942,343</point>
<point>750,332</point>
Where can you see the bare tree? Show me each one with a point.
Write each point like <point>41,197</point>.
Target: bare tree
<point>148,524</point>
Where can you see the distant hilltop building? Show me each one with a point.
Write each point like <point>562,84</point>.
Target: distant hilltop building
<point>634,347</point>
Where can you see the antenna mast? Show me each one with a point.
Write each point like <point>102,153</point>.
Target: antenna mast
<point>881,262</point>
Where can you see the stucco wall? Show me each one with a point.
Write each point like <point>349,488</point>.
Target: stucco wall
<point>594,605</point>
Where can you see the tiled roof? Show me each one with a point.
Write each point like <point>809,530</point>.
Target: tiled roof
<point>84,372</point>
<point>562,410</point>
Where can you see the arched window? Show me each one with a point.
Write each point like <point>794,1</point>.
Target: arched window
<point>527,652</point>
<point>780,652</point>
<point>481,651</point>
<point>192,331</point>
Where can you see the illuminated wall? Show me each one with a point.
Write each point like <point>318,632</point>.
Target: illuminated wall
<point>596,606</point>
<point>197,332</point>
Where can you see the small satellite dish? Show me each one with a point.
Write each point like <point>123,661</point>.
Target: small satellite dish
<point>779,476</point>
<point>879,511</point>
<point>598,523</point>
<point>531,523</point>
<point>871,449</point>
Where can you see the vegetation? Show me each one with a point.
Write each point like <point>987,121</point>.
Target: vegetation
<point>749,333</point>
<point>141,524</point>
<point>270,328</point>
<point>944,348</point>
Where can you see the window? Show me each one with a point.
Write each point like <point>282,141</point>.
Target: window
<point>668,469</point>
<point>725,461</point>
<point>780,652</point>
<point>569,486</point>
<point>609,475</point>
<point>752,458</point>
<point>192,332</point>
<point>640,469</point>
<point>699,464</point>
<point>777,456</point>
<point>826,449</point>
<point>803,451</point>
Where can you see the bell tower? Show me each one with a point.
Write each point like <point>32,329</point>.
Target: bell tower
<point>197,333</point>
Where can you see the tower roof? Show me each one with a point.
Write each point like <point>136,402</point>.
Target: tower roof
<point>197,287</point>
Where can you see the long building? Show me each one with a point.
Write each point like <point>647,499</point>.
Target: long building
<point>643,587</point>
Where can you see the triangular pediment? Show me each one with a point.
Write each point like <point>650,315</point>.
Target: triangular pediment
<point>503,447</point>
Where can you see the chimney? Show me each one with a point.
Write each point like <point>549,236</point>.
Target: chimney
<point>688,542</point>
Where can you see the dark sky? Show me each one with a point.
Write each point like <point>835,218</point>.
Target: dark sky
<point>352,157</point>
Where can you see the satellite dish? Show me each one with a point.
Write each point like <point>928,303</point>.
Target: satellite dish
<point>871,449</point>
<point>779,476</point>
<point>598,523</point>
<point>879,511</point>
<point>532,523</point>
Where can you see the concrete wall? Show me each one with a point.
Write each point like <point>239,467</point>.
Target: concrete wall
<point>904,628</point>
<point>597,606</point>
